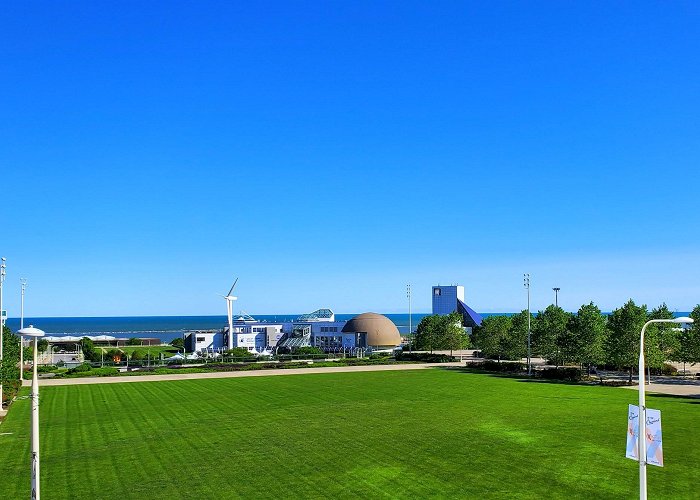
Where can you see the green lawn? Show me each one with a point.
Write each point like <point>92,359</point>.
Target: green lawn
<point>155,350</point>
<point>423,433</point>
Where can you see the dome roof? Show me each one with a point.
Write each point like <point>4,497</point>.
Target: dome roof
<point>380,330</point>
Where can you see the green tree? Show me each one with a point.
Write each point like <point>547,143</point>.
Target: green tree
<point>688,348</point>
<point>178,342</point>
<point>490,337</point>
<point>134,341</point>
<point>661,339</point>
<point>42,345</point>
<point>89,351</point>
<point>624,327</point>
<point>427,333</point>
<point>514,345</point>
<point>455,336</point>
<point>9,369</point>
<point>549,334</point>
<point>115,355</point>
<point>136,355</point>
<point>441,332</point>
<point>589,331</point>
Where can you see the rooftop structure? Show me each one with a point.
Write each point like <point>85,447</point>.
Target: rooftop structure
<point>373,330</point>
<point>449,299</point>
<point>317,315</point>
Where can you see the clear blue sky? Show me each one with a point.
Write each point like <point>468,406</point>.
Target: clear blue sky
<point>329,153</point>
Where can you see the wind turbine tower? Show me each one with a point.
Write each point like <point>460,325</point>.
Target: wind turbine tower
<point>229,309</point>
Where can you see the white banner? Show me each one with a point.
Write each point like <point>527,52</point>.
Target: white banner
<point>655,455</point>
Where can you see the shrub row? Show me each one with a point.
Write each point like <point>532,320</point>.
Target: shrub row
<point>490,365</point>
<point>424,357</point>
<point>566,373</point>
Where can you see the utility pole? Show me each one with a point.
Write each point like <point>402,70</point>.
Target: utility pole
<point>2,321</point>
<point>556,296</point>
<point>526,283</point>
<point>23,282</point>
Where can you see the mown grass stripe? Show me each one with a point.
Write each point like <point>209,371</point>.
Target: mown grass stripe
<point>430,433</point>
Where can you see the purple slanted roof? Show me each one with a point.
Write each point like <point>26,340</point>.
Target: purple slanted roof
<point>471,317</point>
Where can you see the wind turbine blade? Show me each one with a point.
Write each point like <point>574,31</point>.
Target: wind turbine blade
<point>234,286</point>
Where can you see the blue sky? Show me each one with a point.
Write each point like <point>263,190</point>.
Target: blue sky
<point>329,153</point>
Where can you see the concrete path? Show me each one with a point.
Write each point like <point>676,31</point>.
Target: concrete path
<point>673,387</point>
<point>251,373</point>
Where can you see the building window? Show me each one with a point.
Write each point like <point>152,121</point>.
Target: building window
<point>437,291</point>
<point>200,339</point>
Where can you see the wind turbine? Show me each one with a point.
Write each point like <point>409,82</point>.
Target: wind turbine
<point>229,309</point>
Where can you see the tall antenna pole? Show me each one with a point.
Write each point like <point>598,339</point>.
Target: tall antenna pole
<point>526,283</point>
<point>410,319</point>
<point>2,321</point>
<point>23,281</point>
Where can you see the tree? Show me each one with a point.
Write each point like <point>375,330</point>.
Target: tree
<point>134,341</point>
<point>455,336</point>
<point>688,348</point>
<point>42,345</point>
<point>661,339</point>
<point>178,342</point>
<point>89,351</point>
<point>624,327</point>
<point>426,333</point>
<point>549,333</point>
<point>9,369</point>
<point>490,337</point>
<point>136,355</point>
<point>441,332</point>
<point>514,345</point>
<point>115,355</point>
<point>589,330</point>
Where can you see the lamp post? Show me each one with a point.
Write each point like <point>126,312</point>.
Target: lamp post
<point>2,319</point>
<point>556,296</point>
<point>23,282</point>
<point>526,283</point>
<point>410,324</point>
<point>641,433</point>
<point>35,333</point>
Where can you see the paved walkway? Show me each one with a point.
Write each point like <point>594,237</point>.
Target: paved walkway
<point>250,373</point>
<point>675,387</point>
<point>672,387</point>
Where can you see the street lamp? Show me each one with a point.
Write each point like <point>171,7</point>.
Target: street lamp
<point>641,434</point>
<point>526,283</point>
<point>3,266</point>
<point>410,323</point>
<point>34,333</point>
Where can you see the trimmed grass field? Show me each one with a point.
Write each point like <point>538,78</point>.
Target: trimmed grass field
<point>423,433</point>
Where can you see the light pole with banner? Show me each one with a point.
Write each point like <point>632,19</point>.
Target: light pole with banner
<point>641,436</point>
<point>3,314</point>
<point>34,333</point>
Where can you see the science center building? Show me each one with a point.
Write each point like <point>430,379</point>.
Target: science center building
<point>370,331</point>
